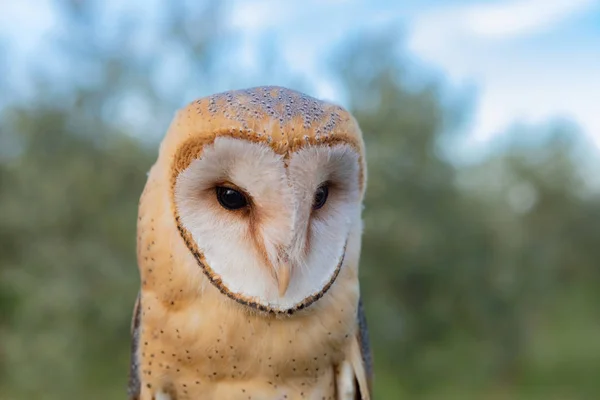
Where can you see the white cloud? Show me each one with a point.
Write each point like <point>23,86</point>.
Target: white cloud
<point>500,20</point>
<point>537,99</point>
<point>527,80</point>
<point>37,17</point>
<point>443,33</point>
<point>515,18</point>
<point>258,15</point>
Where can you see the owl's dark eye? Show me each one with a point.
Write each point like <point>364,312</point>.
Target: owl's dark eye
<point>320,197</point>
<point>230,198</point>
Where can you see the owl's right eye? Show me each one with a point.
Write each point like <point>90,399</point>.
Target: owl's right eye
<point>231,199</point>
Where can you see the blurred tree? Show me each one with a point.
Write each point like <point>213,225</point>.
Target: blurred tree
<point>70,210</point>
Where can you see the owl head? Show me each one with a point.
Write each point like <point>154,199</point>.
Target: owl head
<point>265,188</point>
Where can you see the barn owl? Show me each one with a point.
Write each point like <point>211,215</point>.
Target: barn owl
<point>249,236</point>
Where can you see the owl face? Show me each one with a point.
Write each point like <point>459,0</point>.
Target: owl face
<point>269,228</point>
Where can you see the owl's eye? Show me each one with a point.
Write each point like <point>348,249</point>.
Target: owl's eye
<point>320,197</point>
<point>230,198</point>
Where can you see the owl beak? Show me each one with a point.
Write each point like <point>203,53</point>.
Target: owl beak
<point>283,277</point>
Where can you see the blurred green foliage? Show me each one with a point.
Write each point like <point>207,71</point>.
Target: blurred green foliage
<point>480,281</point>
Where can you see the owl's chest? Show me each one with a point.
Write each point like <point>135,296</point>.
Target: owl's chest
<point>224,354</point>
<point>189,386</point>
<point>224,365</point>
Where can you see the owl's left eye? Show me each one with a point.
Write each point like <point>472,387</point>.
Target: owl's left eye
<point>320,197</point>
<point>231,199</point>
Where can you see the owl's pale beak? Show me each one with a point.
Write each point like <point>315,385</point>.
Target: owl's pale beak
<point>283,277</point>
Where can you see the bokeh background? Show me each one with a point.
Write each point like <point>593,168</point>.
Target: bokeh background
<point>480,269</point>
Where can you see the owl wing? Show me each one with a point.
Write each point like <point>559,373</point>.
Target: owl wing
<point>355,375</point>
<point>366,354</point>
<point>133,389</point>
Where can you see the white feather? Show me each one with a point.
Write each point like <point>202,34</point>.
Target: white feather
<point>345,382</point>
<point>162,396</point>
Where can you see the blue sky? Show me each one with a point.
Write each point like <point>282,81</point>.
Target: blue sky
<point>530,60</point>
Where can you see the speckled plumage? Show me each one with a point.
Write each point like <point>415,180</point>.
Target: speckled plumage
<point>196,338</point>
